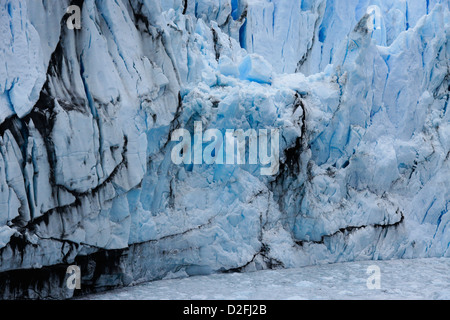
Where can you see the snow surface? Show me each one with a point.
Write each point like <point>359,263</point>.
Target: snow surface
<point>400,279</point>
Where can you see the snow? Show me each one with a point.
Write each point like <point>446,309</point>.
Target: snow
<point>419,279</point>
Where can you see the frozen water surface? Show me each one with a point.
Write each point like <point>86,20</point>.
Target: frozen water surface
<point>399,279</point>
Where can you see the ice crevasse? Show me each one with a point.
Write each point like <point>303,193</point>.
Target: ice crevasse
<point>358,90</point>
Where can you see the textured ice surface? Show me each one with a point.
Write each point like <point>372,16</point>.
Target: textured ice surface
<point>255,68</point>
<point>418,279</point>
<point>359,91</point>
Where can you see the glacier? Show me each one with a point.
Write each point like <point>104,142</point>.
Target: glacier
<point>358,90</point>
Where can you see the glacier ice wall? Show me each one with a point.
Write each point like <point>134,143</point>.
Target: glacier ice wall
<point>359,91</point>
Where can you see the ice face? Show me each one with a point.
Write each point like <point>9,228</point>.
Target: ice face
<point>358,92</point>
